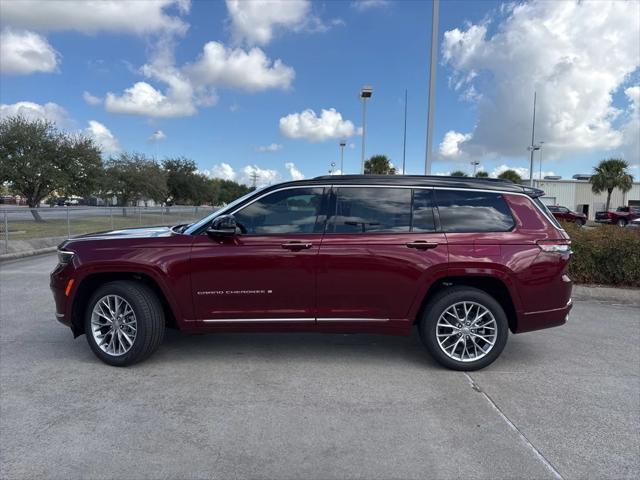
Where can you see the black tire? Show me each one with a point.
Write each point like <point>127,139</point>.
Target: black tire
<point>150,322</point>
<point>622,222</point>
<point>580,222</point>
<point>427,325</point>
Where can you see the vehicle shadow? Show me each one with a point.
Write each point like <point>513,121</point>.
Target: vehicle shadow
<point>293,347</point>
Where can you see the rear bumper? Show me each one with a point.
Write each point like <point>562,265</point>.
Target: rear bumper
<point>531,321</point>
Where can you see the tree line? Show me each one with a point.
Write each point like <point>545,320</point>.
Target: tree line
<point>38,161</point>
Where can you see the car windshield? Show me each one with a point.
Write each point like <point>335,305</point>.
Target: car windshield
<point>194,227</point>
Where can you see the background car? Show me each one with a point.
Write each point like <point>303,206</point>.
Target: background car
<point>621,217</point>
<point>566,215</point>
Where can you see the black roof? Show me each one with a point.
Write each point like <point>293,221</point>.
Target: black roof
<point>424,181</point>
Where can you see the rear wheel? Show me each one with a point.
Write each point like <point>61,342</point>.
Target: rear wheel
<point>580,222</point>
<point>622,222</point>
<point>124,323</point>
<point>464,328</point>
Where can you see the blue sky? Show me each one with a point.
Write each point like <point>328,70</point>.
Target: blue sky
<point>240,106</point>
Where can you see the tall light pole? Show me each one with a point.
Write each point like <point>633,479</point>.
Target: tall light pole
<point>343,143</point>
<point>404,140</point>
<point>532,147</point>
<point>365,93</point>
<point>432,84</point>
<point>475,164</point>
<point>540,171</point>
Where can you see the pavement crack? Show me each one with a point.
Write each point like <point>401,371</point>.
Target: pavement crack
<point>523,438</point>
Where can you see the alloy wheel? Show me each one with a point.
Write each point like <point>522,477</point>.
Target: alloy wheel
<point>113,325</point>
<point>466,331</point>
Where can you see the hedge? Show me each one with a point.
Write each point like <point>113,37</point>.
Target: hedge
<point>606,255</point>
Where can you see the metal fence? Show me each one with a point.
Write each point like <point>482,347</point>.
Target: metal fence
<point>20,230</point>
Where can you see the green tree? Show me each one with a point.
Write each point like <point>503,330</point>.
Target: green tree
<point>132,177</point>
<point>228,191</point>
<point>36,159</point>
<point>379,165</point>
<point>458,173</point>
<point>482,174</point>
<point>182,181</point>
<point>611,174</point>
<point>510,175</point>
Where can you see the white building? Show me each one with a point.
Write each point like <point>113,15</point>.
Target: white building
<point>576,194</point>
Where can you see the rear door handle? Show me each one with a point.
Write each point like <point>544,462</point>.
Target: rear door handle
<point>295,246</point>
<point>422,245</point>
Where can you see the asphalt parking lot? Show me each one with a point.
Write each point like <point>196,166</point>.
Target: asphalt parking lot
<point>561,403</point>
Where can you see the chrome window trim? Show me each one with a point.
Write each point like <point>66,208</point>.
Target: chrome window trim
<point>223,211</point>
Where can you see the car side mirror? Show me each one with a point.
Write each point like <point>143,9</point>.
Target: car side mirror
<point>222,226</point>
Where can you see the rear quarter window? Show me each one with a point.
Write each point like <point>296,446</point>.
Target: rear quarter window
<point>471,211</point>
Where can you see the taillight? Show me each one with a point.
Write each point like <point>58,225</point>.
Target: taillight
<point>555,246</point>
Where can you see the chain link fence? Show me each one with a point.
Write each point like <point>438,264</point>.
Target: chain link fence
<point>20,231</point>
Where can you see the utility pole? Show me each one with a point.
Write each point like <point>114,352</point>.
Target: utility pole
<point>432,84</point>
<point>533,135</point>
<point>404,140</point>
<point>254,179</point>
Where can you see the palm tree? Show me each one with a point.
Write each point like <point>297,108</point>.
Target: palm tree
<point>609,175</point>
<point>511,175</point>
<point>458,173</point>
<point>379,165</point>
<point>482,174</point>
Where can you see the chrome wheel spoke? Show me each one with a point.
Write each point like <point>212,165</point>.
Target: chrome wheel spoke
<point>113,325</point>
<point>472,334</point>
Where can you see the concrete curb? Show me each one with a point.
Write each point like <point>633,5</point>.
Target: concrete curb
<point>627,296</point>
<point>28,253</point>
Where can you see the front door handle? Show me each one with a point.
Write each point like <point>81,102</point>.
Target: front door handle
<point>296,246</point>
<point>422,245</point>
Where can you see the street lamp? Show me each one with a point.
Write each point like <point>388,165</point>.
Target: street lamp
<point>540,171</point>
<point>343,143</point>
<point>475,164</point>
<point>365,93</point>
<point>532,148</point>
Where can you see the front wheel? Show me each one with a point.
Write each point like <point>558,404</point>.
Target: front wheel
<point>622,222</point>
<point>464,328</point>
<point>124,323</point>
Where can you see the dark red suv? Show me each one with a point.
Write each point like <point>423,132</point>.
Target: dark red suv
<point>466,260</point>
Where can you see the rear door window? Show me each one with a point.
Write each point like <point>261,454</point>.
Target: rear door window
<point>472,211</point>
<point>370,210</point>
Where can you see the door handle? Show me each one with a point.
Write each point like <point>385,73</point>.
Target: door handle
<point>422,245</point>
<point>295,246</point>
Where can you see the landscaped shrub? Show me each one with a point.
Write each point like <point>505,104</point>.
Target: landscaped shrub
<point>606,255</point>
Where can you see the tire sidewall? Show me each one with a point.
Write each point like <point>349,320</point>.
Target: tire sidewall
<point>622,222</point>
<point>429,320</point>
<point>141,311</point>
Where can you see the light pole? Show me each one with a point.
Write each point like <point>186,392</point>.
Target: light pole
<point>435,14</point>
<point>343,143</point>
<point>540,171</point>
<point>404,140</point>
<point>533,146</point>
<point>475,164</point>
<point>365,93</point>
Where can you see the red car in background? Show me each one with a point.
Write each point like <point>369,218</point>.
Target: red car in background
<point>566,215</point>
<point>620,217</point>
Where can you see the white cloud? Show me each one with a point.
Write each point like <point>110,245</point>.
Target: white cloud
<point>157,136</point>
<point>91,99</point>
<point>522,171</point>
<point>263,177</point>
<point>251,70</point>
<point>450,145</point>
<point>362,5</point>
<point>24,52</point>
<point>90,17</point>
<point>255,22</point>
<point>107,142</point>
<point>309,126</point>
<point>630,149</point>
<point>574,54</point>
<point>220,170</point>
<point>143,99</point>
<point>34,111</point>
<point>293,171</point>
<point>273,147</point>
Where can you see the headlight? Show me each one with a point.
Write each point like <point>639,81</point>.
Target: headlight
<point>65,257</point>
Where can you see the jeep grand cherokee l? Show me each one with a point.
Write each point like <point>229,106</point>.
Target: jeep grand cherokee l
<point>464,260</point>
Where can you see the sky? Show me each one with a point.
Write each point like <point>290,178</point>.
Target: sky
<point>271,87</point>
